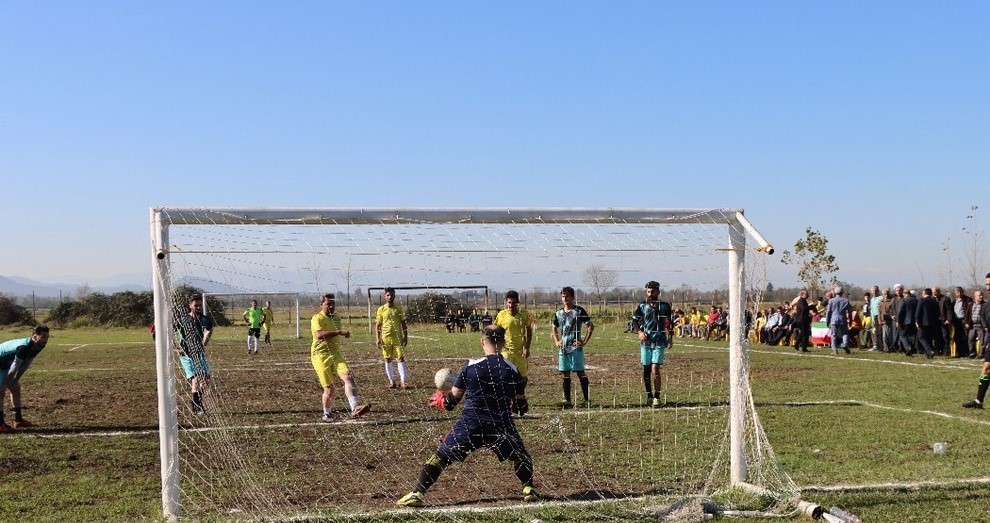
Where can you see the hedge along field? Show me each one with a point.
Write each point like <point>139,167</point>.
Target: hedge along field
<point>853,430</point>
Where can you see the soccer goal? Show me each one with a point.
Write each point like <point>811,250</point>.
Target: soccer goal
<point>231,306</point>
<point>261,452</point>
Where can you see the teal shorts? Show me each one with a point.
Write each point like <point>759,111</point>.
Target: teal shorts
<point>652,355</point>
<point>572,361</point>
<point>193,366</point>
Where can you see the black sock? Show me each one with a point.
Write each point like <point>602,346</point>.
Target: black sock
<point>567,389</point>
<point>648,381</point>
<point>197,399</point>
<point>982,391</point>
<point>430,472</point>
<point>18,417</point>
<point>584,387</point>
<point>1,417</point>
<point>523,467</point>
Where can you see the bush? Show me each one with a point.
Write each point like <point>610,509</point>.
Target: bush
<point>13,314</point>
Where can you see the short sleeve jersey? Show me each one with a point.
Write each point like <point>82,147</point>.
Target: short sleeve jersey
<point>515,329</point>
<point>655,321</point>
<point>269,316</point>
<point>489,383</point>
<point>20,348</point>
<point>569,324</point>
<point>191,333</point>
<point>322,322</point>
<point>254,315</point>
<point>390,319</point>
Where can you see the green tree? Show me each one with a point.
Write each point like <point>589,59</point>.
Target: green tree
<point>431,307</point>
<point>13,314</point>
<point>813,261</point>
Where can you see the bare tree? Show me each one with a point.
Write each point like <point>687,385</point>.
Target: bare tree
<point>600,278</point>
<point>812,260</point>
<point>974,249</point>
<point>83,290</point>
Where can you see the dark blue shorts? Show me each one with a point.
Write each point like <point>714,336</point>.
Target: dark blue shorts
<point>465,438</point>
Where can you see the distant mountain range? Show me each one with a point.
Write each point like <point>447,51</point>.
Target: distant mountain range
<point>17,286</point>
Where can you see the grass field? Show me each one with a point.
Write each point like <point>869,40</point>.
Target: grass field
<point>854,431</point>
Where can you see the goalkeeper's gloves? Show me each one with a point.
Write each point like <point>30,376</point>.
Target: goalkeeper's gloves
<point>522,406</point>
<point>436,400</point>
<point>443,400</point>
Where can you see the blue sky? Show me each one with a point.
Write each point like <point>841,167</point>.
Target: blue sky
<point>867,121</point>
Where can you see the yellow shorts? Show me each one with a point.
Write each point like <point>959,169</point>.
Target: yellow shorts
<point>391,350</point>
<point>329,365</point>
<point>517,359</point>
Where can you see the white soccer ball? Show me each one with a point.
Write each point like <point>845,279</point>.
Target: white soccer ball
<point>444,379</point>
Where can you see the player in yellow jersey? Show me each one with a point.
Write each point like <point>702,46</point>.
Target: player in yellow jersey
<point>328,362</point>
<point>518,325</point>
<point>391,336</point>
<point>269,322</point>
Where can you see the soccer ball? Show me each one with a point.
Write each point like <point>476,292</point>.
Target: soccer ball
<point>444,379</point>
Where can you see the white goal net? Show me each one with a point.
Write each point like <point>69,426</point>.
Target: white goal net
<point>260,450</point>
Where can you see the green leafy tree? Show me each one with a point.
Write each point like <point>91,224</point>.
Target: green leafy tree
<point>432,307</point>
<point>813,261</point>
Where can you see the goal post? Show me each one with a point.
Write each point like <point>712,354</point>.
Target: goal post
<point>370,290</point>
<point>307,251</point>
<point>292,301</point>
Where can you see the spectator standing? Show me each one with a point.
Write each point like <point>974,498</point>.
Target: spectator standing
<point>977,329</point>
<point>945,313</point>
<point>801,322</point>
<point>875,319</point>
<point>907,322</point>
<point>929,320</point>
<point>837,315</point>
<point>959,342</point>
<point>984,384</point>
<point>268,322</point>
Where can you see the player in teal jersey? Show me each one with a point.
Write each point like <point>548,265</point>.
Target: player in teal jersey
<point>571,339</point>
<point>655,330</point>
<point>15,358</point>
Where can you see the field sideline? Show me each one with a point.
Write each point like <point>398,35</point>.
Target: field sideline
<point>853,430</point>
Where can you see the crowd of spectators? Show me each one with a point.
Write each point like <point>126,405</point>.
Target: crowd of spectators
<point>892,320</point>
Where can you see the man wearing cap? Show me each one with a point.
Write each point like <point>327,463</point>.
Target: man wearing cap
<point>984,384</point>
<point>655,331</point>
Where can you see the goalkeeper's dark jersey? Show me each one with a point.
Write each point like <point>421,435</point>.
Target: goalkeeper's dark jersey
<point>489,384</point>
<point>655,322</point>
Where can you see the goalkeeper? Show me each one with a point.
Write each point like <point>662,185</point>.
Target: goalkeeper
<point>486,421</point>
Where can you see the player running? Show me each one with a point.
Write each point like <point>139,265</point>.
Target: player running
<point>327,360</point>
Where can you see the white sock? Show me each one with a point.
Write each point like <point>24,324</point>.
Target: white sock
<point>249,342</point>
<point>353,400</point>
<point>327,410</point>
<point>389,372</point>
<point>403,372</point>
